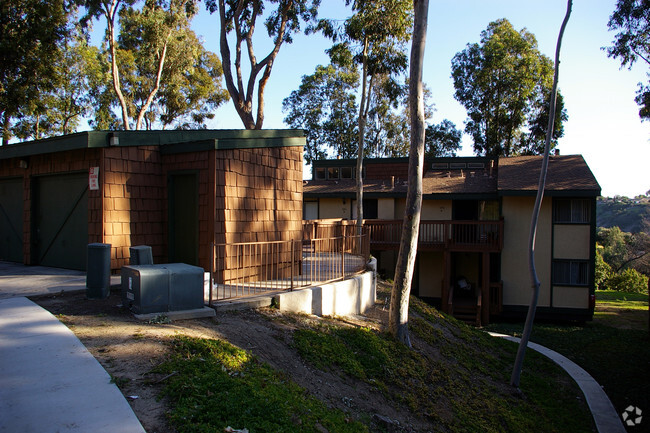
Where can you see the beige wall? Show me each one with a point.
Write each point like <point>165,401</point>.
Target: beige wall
<point>571,241</point>
<point>514,258</point>
<point>400,204</point>
<point>386,208</point>
<point>436,209</point>
<point>431,274</point>
<point>334,208</point>
<point>571,297</point>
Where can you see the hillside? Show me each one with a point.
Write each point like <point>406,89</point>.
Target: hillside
<point>627,214</point>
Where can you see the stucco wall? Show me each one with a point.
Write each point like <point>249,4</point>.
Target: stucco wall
<point>570,297</point>
<point>334,208</point>
<point>386,208</point>
<point>571,241</point>
<point>514,258</point>
<point>436,209</point>
<point>431,274</point>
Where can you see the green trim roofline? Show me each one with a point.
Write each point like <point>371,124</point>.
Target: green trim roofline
<point>179,141</point>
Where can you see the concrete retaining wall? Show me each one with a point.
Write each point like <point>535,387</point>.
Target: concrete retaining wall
<point>341,298</point>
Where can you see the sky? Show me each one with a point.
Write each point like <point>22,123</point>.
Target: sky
<point>603,124</point>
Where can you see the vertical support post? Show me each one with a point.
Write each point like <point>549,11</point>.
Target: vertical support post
<point>485,290</point>
<point>446,279</point>
<point>343,255</point>
<point>293,259</point>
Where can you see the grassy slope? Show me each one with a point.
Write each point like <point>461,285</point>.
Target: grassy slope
<point>455,379</point>
<point>614,348</point>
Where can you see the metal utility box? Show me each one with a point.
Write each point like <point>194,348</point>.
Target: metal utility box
<point>186,286</point>
<point>98,271</point>
<point>140,255</point>
<point>161,288</point>
<point>145,288</point>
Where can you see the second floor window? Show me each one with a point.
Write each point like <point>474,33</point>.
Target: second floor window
<point>572,211</point>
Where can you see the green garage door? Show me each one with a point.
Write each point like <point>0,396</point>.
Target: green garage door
<point>11,220</point>
<point>60,221</point>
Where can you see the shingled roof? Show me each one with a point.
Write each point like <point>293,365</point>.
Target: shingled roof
<point>565,173</point>
<point>514,175</point>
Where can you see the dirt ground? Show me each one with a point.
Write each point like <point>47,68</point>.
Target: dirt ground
<point>128,349</point>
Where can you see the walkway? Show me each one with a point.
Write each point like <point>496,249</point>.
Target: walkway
<point>602,409</point>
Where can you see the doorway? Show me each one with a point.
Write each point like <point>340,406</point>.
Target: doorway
<point>183,199</point>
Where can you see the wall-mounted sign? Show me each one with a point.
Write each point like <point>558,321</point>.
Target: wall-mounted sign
<point>93,178</point>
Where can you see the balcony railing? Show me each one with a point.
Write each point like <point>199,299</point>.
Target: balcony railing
<point>439,235</point>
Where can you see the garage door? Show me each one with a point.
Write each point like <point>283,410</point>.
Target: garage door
<point>11,220</point>
<point>60,221</point>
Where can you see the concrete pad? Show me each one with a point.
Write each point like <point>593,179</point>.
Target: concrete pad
<point>606,418</point>
<point>197,313</point>
<point>243,303</point>
<point>20,280</point>
<point>49,381</point>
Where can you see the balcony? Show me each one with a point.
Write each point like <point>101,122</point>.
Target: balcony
<point>475,236</point>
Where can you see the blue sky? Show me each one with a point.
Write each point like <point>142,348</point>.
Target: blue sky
<point>603,122</point>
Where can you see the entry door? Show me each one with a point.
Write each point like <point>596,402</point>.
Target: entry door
<point>11,220</point>
<point>184,218</point>
<point>60,221</point>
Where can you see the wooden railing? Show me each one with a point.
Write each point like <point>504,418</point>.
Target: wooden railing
<point>439,235</point>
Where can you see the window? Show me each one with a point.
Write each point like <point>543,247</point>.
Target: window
<point>347,173</point>
<point>333,173</point>
<point>571,272</point>
<point>576,211</point>
<point>319,173</point>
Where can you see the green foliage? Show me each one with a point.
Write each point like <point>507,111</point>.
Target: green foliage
<point>217,385</point>
<point>628,280</point>
<point>603,270</point>
<point>504,83</point>
<point>31,32</point>
<point>442,139</point>
<point>631,21</point>
<point>614,243</point>
<point>325,107</point>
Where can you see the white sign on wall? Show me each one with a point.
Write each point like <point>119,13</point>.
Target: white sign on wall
<point>93,178</point>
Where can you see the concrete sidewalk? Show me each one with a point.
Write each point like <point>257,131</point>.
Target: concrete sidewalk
<point>606,418</point>
<point>20,280</point>
<point>49,382</point>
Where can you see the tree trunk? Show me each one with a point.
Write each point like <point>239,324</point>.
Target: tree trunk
<point>399,303</point>
<point>152,94</point>
<point>530,317</point>
<point>110,20</point>
<point>362,133</point>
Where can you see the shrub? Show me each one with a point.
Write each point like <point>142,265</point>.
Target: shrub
<point>628,280</point>
<point>603,270</point>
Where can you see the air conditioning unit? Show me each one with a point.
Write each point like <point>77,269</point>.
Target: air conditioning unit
<point>162,288</point>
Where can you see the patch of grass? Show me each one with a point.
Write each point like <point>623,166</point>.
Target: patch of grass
<point>219,385</point>
<point>635,301</point>
<point>617,358</point>
<point>458,383</point>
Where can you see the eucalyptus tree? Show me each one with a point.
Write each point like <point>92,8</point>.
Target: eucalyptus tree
<point>141,42</point>
<point>375,35</point>
<point>504,82</point>
<point>399,302</point>
<point>183,93</point>
<point>534,279</point>
<point>631,21</point>
<point>30,36</point>
<point>60,110</point>
<point>442,139</point>
<point>324,105</point>
<point>240,17</point>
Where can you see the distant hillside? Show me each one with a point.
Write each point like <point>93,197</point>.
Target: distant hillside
<point>627,214</point>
